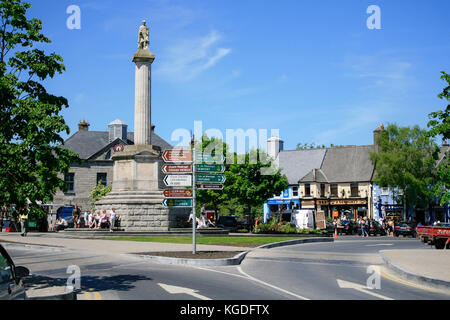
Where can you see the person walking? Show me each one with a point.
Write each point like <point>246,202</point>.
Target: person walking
<point>23,222</point>
<point>363,228</point>
<point>75,216</point>
<point>112,219</point>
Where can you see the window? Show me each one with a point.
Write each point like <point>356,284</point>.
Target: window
<point>384,191</point>
<point>334,190</point>
<point>5,270</point>
<point>307,190</point>
<point>322,190</point>
<point>70,181</point>
<point>102,178</point>
<point>295,191</point>
<point>354,190</point>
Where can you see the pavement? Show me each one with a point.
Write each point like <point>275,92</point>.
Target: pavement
<point>429,267</point>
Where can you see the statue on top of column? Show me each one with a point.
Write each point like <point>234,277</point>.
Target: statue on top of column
<point>144,36</point>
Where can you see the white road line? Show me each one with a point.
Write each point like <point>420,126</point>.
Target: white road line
<point>248,277</point>
<point>272,286</point>
<point>350,285</point>
<point>379,244</point>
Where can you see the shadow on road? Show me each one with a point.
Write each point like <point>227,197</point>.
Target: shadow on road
<point>96,283</point>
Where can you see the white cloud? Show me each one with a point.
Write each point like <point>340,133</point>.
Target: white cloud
<point>189,57</point>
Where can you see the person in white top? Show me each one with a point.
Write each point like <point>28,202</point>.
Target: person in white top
<point>86,218</point>
<point>112,219</point>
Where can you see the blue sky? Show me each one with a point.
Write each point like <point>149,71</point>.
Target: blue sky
<point>311,69</point>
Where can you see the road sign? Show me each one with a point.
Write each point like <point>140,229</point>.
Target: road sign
<point>178,181</point>
<point>201,157</point>
<point>210,168</point>
<point>177,168</point>
<point>210,178</point>
<point>181,203</point>
<point>178,193</point>
<point>210,186</point>
<point>181,155</point>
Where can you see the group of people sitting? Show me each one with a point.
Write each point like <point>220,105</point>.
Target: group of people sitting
<point>203,221</point>
<point>92,220</point>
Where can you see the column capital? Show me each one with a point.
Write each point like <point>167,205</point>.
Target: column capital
<point>144,55</point>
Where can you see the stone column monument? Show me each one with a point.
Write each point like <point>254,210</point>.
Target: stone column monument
<point>137,193</point>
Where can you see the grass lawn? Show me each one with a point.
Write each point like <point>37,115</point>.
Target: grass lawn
<point>227,241</point>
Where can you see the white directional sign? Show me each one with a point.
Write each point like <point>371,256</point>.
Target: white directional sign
<point>178,181</point>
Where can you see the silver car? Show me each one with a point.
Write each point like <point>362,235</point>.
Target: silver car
<point>11,286</point>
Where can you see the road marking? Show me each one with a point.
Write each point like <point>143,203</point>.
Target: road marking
<point>180,290</point>
<point>270,285</point>
<point>87,296</point>
<point>379,244</point>
<point>350,285</point>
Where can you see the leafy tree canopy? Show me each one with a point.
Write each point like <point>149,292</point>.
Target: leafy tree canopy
<point>406,159</point>
<point>439,125</point>
<point>30,123</point>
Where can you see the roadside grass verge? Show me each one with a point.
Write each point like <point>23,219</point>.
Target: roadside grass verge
<point>223,241</point>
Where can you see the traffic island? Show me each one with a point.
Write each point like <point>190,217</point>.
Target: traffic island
<point>212,258</point>
<point>424,267</point>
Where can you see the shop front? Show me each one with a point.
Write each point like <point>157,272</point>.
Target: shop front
<point>390,211</point>
<point>352,208</point>
<point>277,206</point>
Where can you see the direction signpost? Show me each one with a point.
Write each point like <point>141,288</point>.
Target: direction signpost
<point>210,186</point>
<point>210,168</point>
<point>177,156</point>
<point>177,203</point>
<point>178,181</point>
<point>207,158</point>
<point>210,178</point>
<point>177,168</point>
<point>185,172</point>
<point>178,193</point>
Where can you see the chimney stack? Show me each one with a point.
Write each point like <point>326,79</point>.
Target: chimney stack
<point>83,126</point>
<point>376,133</point>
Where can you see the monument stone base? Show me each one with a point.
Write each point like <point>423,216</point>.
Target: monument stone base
<point>137,192</point>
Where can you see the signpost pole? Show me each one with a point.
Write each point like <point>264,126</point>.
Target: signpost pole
<point>194,218</point>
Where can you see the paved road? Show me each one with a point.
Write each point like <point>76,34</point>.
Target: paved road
<point>308,271</point>
<point>336,270</point>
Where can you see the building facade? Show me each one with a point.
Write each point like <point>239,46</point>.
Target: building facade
<point>95,149</point>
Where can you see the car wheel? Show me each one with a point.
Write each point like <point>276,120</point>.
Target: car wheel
<point>440,244</point>
<point>396,234</point>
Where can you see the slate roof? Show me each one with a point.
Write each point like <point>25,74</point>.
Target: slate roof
<point>88,143</point>
<point>296,164</point>
<point>315,175</point>
<point>332,165</point>
<point>348,164</point>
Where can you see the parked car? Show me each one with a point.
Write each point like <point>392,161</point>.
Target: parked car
<point>348,227</point>
<point>66,213</point>
<point>405,229</point>
<point>243,224</point>
<point>375,228</point>
<point>228,223</point>
<point>11,286</point>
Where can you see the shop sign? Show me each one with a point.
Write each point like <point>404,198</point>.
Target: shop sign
<point>347,202</point>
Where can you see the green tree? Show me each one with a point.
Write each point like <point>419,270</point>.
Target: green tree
<point>99,192</point>
<point>249,184</point>
<point>406,160</point>
<point>30,123</point>
<point>439,126</point>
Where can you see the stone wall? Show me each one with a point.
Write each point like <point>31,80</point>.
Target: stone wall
<point>85,181</point>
